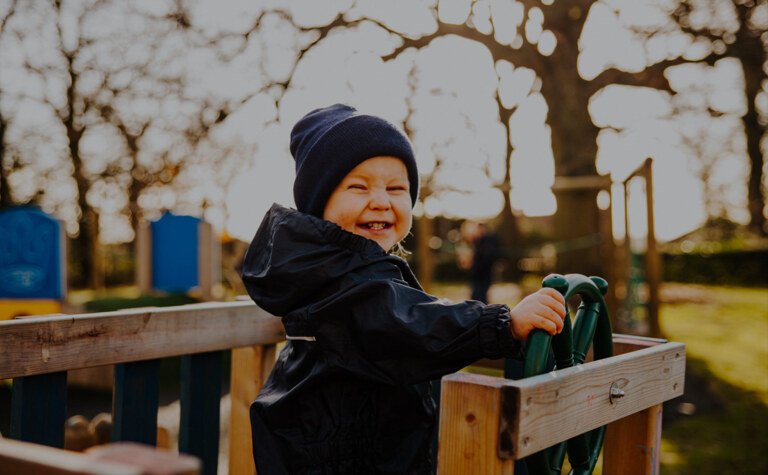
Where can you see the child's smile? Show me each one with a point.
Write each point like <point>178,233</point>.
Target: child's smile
<point>373,201</point>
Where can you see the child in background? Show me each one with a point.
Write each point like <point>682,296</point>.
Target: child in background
<point>350,390</point>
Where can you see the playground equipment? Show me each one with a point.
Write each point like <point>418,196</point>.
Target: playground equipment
<point>650,271</point>
<point>485,422</point>
<point>178,254</point>
<point>32,263</point>
<point>570,348</point>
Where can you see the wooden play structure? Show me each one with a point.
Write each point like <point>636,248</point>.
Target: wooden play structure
<point>485,423</point>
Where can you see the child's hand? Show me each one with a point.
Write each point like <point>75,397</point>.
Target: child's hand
<point>544,309</point>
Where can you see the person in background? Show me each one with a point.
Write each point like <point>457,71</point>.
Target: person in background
<point>486,250</point>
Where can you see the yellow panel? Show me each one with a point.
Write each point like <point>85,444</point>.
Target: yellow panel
<point>17,308</point>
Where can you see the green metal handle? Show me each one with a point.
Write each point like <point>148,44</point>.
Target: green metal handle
<point>592,325</point>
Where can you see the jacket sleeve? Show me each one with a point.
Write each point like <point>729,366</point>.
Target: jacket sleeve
<point>409,336</point>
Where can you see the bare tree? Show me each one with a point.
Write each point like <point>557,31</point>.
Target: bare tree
<point>733,28</point>
<point>6,166</point>
<point>546,40</point>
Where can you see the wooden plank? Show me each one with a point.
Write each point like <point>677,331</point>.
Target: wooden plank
<point>48,344</point>
<point>23,458</point>
<point>627,343</point>
<point>205,266</point>
<point>200,401</point>
<point>152,461</point>
<point>633,444</point>
<point>135,402</point>
<point>39,409</point>
<point>469,426</point>
<point>584,182</point>
<point>559,405</point>
<point>250,368</point>
<point>144,257</point>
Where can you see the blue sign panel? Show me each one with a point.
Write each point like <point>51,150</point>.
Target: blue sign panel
<point>175,253</point>
<point>31,255</point>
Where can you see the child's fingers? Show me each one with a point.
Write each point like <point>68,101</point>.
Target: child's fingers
<point>555,305</point>
<point>553,293</point>
<point>547,325</point>
<point>550,315</point>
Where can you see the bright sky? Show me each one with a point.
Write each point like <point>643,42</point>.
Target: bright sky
<point>455,113</point>
<point>344,70</point>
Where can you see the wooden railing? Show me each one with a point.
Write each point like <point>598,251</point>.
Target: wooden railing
<point>38,351</point>
<point>485,423</point>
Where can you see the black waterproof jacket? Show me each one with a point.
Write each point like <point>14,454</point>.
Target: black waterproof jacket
<point>353,396</point>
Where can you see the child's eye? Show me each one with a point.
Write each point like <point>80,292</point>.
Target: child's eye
<point>396,188</point>
<point>356,186</point>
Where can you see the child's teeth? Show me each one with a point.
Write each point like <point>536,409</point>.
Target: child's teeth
<point>376,225</point>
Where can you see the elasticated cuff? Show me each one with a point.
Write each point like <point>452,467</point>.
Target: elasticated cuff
<point>494,333</point>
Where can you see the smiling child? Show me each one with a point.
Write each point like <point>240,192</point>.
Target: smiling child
<point>350,391</point>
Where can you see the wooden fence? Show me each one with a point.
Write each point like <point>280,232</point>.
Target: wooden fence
<point>38,351</point>
<point>486,423</point>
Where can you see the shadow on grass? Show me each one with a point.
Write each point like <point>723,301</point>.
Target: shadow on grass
<point>726,433</point>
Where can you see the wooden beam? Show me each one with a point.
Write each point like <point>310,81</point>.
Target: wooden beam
<point>250,368</point>
<point>39,409</point>
<point>135,402</point>
<point>633,444</point>
<point>200,408</point>
<point>578,183</point>
<point>538,412</point>
<point>559,405</point>
<point>48,344</point>
<point>22,458</point>
<point>469,426</point>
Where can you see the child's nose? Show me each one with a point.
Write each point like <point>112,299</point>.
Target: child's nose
<point>379,199</point>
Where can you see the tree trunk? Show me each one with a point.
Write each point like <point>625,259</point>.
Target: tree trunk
<point>508,231</point>
<point>574,146</point>
<point>426,268</point>
<point>5,191</point>
<point>755,131</point>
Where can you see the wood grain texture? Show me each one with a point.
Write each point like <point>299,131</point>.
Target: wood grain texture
<point>250,368</point>
<point>469,426</point>
<point>633,444</point>
<point>47,344</point>
<point>21,458</point>
<point>559,405</point>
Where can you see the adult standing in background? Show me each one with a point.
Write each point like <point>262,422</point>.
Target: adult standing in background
<point>486,251</point>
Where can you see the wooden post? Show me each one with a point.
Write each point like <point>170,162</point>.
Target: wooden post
<point>250,368</point>
<point>209,259</point>
<point>633,444</point>
<point>651,254</point>
<point>486,422</point>
<point>200,403</point>
<point>426,265</point>
<point>469,428</point>
<point>144,258</point>
<point>39,408</point>
<point>135,402</point>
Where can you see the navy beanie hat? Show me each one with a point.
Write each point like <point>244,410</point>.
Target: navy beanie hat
<point>328,143</point>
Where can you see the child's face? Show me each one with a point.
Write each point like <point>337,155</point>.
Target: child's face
<point>373,201</point>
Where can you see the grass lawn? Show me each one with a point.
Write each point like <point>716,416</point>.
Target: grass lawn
<point>720,424</point>
<point>725,330</point>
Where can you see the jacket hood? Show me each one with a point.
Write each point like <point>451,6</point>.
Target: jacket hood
<point>296,259</point>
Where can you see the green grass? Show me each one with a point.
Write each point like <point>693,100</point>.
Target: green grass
<point>726,337</point>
